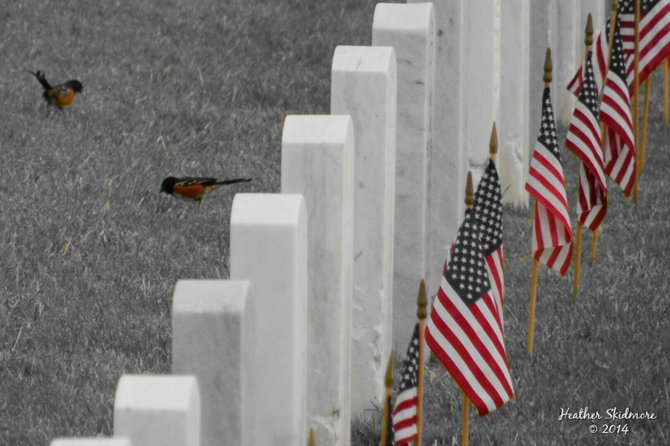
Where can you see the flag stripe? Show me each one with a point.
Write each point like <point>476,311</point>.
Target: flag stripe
<point>654,37</point>
<point>404,418</point>
<point>552,236</point>
<point>460,336</point>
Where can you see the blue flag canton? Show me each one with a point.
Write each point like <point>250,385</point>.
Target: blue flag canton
<point>547,135</point>
<point>618,61</point>
<point>466,271</point>
<point>488,210</point>
<point>628,6</point>
<point>410,366</point>
<point>589,94</point>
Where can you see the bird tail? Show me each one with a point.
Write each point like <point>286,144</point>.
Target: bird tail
<point>233,181</point>
<point>42,80</point>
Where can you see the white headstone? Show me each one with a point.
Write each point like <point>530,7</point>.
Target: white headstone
<point>364,86</point>
<point>567,57</point>
<point>410,30</point>
<point>543,35</point>
<point>97,441</point>
<point>481,81</point>
<point>158,410</point>
<point>318,162</point>
<point>448,161</point>
<point>212,340</point>
<point>268,247</point>
<point>512,122</point>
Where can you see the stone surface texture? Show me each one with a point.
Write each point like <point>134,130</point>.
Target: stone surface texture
<point>410,30</point>
<point>512,122</point>
<point>448,161</point>
<point>158,410</point>
<point>268,247</point>
<point>212,340</point>
<point>318,162</point>
<point>363,85</point>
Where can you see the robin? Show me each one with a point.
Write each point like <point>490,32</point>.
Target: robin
<point>195,188</point>
<point>60,96</point>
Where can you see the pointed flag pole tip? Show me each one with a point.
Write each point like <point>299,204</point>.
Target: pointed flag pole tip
<point>311,438</point>
<point>588,38</point>
<point>469,192</point>
<point>493,144</point>
<point>421,301</point>
<point>548,67</point>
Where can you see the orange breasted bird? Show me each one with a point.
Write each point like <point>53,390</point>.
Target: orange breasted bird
<point>60,96</point>
<point>195,188</point>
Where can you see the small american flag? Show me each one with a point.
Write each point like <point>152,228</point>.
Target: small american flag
<point>654,35</point>
<point>404,411</point>
<point>601,51</point>
<point>552,235</point>
<point>463,329</point>
<point>487,209</point>
<point>584,141</point>
<point>616,115</point>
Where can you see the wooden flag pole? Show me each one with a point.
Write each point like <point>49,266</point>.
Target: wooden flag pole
<point>533,294</point>
<point>666,68</point>
<point>578,260</point>
<point>536,264</point>
<point>310,441</point>
<point>493,155</point>
<point>588,41</point>
<point>466,412</point>
<point>387,401</point>
<point>469,202</point>
<point>421,313</point>
<point>493,143</point>
<point>645,122</point>
<point>636,101</point>
<point>594,243</point>
<point>469,192</point>
<point>603,128</point>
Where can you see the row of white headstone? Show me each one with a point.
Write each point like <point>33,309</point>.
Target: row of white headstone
<point>299,336</point>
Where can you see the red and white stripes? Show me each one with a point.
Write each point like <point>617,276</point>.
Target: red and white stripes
<point>552,234</point>
<point>468,342</point>
<point>654,35</point>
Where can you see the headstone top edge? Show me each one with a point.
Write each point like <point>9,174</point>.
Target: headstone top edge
<point>323,129</point>
<point>374,59</point>
<point>271,209</point>
<point>148,392</point>
<point>404,16</point>
<point>218,296</point>
<point>91,441</point>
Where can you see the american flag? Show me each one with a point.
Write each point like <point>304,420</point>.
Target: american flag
<point>654,35</point>
<point>463,330</point>
<point>552,235</point>
<point>488,213</point>
<point>584,141</point>
<point>616,115</point>
<point>404,411</point>
<point>601,50</point>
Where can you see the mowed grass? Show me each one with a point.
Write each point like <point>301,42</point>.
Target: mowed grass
<point>90,253</point>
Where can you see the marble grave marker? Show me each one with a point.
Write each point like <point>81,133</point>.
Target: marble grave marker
<point>268,247</point>
<point>363,85</point>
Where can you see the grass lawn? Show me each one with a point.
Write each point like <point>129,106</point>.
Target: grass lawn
<point>90,252</point>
